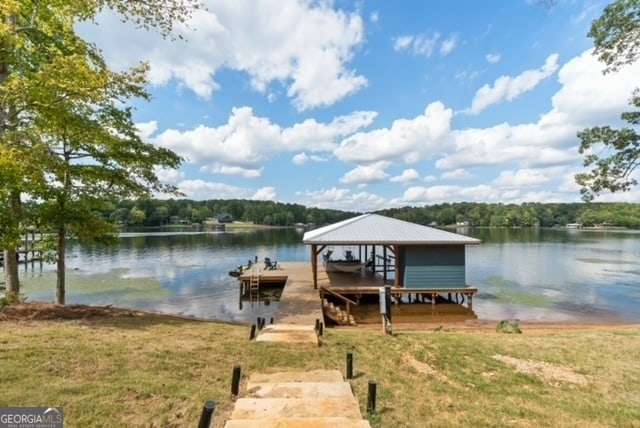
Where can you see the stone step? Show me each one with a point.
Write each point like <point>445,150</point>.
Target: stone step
<point>307,376</point>
<point>311,407</point>
<point>299,389</point>
<point>288,333</point>
<point>329,422</point>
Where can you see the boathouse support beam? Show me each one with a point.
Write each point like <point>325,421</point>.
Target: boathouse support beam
<point>315,252</point>
<point>314,265</point>
<point>384,263</point>
<point>396,273</point>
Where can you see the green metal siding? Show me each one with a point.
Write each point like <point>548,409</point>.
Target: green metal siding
<point>434,267</point>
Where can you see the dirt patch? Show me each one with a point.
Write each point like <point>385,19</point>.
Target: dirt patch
<point>489,326</point>
<point>50,311</point>
<point>423,368</point>
<point>545,371</point>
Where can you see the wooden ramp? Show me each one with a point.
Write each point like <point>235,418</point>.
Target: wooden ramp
<point>311,399</point>
<point>298,309</point>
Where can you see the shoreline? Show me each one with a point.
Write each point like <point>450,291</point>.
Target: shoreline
<point>45,311</point>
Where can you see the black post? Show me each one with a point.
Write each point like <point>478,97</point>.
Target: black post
<point>320,330</point>
<point>349,365</point>
<point>259,322</point>
<point>387,297</point>
<point>371,397</point>
<point>252,335</point>
<point>235,380</point>
<point>207,413</point>
<point>271,321</point>
<point>317,324</point>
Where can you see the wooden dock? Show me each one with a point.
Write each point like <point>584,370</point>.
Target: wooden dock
<point>301,306</point>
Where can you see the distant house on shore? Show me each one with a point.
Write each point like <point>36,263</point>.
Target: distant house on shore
<point>574,226</point>
<point>174,219</point>
<point>224,218</point>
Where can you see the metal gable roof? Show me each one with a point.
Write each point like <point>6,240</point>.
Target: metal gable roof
<point>377,229</point>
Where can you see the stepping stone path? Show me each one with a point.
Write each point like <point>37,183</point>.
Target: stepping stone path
<point>310,399</point>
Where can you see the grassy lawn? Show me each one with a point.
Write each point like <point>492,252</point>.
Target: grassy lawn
<point>150,370</point>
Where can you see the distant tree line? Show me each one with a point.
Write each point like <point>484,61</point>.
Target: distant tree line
<point>156,212</point>
<point>524,215</point>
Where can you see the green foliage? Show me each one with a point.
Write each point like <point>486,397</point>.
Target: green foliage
<point>616,34</point>
<point>12,299</point>
<point>613,154</point>
<point>508,327</point>
<point>65,126</point>
<point>155,212</point>
<point>525,215</point>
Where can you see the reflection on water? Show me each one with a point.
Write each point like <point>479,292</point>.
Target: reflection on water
<point>555,274</point>
<point>525,274</point>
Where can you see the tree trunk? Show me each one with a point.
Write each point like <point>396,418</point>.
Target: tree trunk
<point>60,283</point>
<point>11,254</point>
<point>11,274</point>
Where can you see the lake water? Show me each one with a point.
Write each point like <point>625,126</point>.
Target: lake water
<point>524,274</point>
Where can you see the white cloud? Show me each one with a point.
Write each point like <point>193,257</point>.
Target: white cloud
<point>234,170</point>
<point>493,57</point>
<point>522,178</point>
<point>318,158</point>
<point>305,46</point>
<point>242,145</point>
<point>303,158</point>
<point>539,158</point>
<point>448,45</point>
<point>466,76</point>
<point>265,194</point>
<point>246,141</point>
<point>419,195</point>
<point>530,144</point>
<point>343,199</point>
<point>314,136</point>
<point>300,159</point>
<point>202,190</point>
<point>587,96</point>
<point>403,42</point>
<point>408,176</point>
<point>408,140</point>
<point>420,44</point>
<point>509,88</point>
<point>170,176</point>
<point>374,17</point>
<point>457,174</point>
<point>147,129</point>
<point>425,45</point>
<point>365,174</point>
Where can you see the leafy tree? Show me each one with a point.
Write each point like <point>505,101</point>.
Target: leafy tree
<point>60,110</point>
<point>613,154</point>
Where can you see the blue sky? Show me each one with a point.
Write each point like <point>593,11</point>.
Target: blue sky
<point>375,104</point>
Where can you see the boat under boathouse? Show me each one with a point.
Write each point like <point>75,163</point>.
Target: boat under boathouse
<point>356,257</point>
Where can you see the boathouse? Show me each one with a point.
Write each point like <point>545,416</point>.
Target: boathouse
<point>410,257</point>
